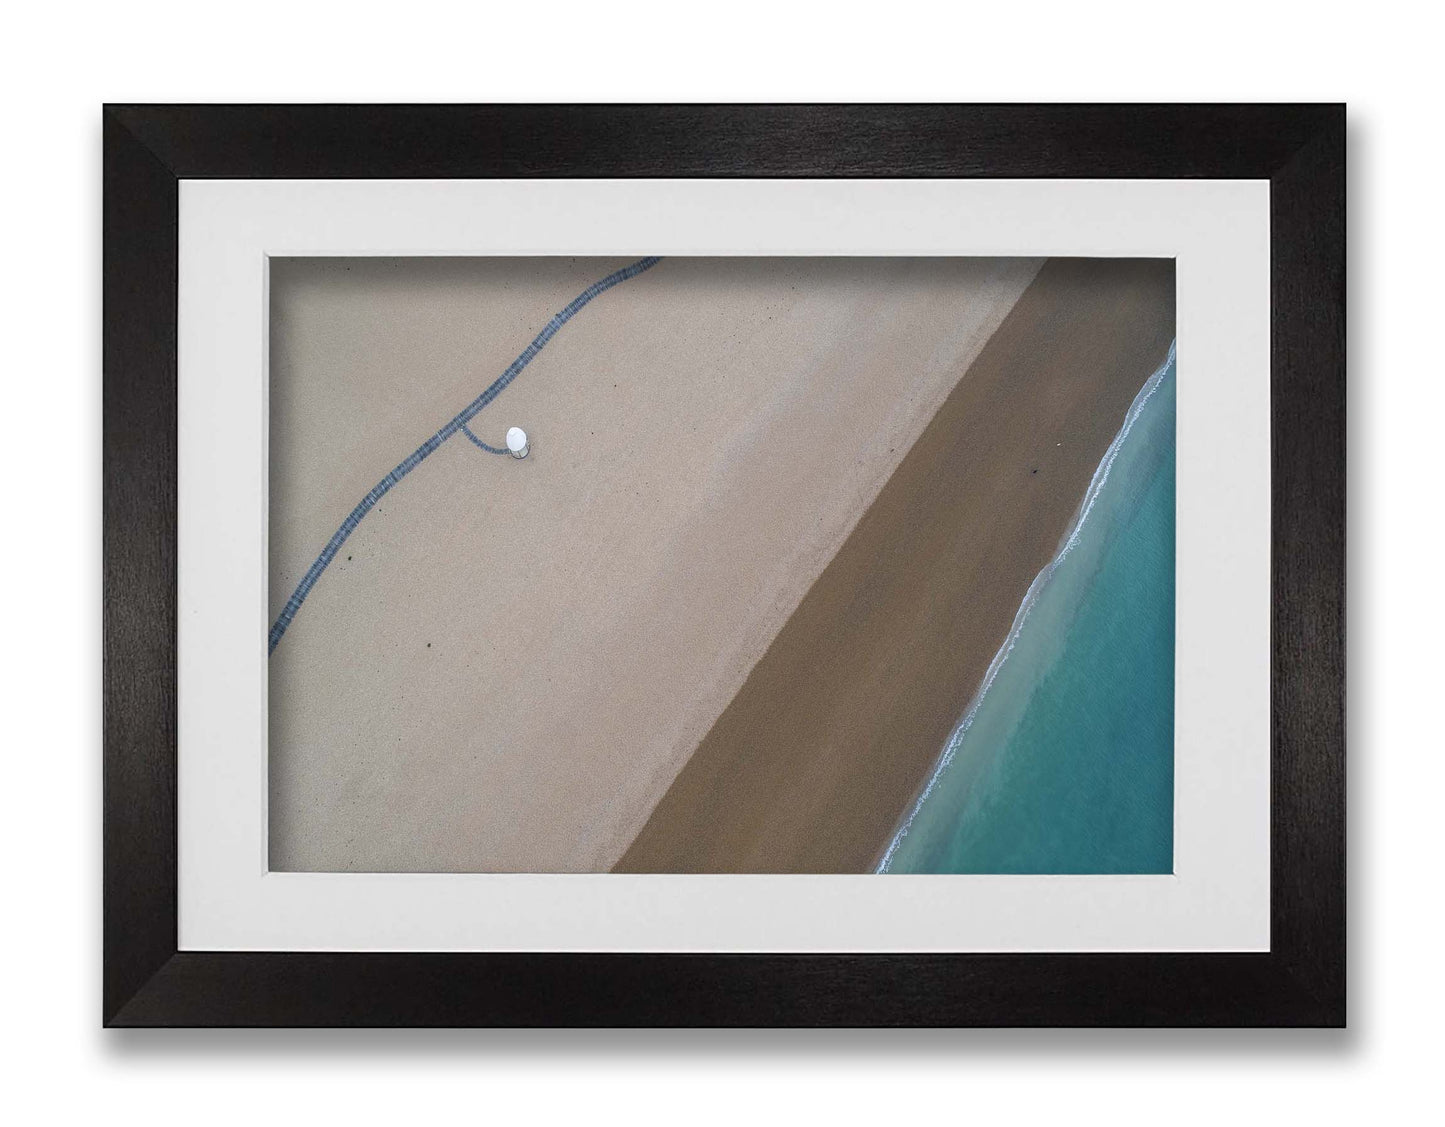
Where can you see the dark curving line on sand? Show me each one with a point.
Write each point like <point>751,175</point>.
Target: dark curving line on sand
<point>475,441</point>
<point>422,452</point>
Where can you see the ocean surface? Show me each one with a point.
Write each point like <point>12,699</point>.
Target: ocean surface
<point>1064,762</point>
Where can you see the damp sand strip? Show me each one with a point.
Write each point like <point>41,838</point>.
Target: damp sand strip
<point>837,728</point>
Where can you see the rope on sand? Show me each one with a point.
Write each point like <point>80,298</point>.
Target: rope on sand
<point>422,452</point>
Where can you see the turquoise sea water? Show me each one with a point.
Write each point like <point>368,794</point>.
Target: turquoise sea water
<point>1065,761</point>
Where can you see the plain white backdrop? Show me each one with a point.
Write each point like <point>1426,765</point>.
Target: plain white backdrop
<point>63,62</point>
<point>1217,896</point>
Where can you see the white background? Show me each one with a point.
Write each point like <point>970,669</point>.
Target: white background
<point>63,61</point>
<point>1217,896</point>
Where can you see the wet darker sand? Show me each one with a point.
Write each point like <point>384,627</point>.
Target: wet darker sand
<point>812,764</point>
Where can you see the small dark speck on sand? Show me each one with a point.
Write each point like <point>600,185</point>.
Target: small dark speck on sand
<point>1034,470</point>
<point>348,559</point>
<point>428,645</point>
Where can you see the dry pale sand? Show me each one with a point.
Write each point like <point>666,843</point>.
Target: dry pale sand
<point>509,662</point>
<point>812,764</point>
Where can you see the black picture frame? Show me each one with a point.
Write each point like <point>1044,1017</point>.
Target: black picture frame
<point>1299,149</point>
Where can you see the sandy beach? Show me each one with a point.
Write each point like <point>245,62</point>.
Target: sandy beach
<point>667,628</point>
<point>837,726</point>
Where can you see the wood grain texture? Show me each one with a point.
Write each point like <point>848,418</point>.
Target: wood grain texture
<point>576,990</point>
<point>1307,667</point>
<point>1300,148</point>
<point>409,141</point>
<point>139,577</point>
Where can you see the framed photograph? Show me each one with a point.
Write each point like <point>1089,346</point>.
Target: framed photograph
<point>724,565</point>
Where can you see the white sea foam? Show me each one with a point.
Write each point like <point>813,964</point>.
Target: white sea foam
<point>1069,542</point>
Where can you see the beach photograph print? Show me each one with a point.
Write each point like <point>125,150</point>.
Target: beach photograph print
<point>721,565</point>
